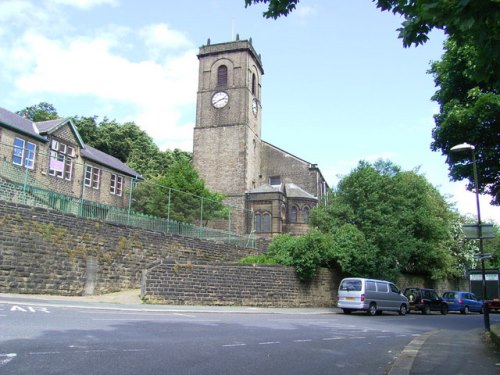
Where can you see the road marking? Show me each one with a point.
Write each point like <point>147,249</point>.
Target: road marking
<point>333,338</point>
<point>30,309</point>
<point>305,340</point>
<point>230,345</point>
<point>269,343</point>
<point>6,358</point>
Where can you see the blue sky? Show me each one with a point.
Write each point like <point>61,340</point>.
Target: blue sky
<point>338,86</point>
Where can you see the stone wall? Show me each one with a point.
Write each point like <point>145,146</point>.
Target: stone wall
<point>170,282</point>
<point>45,251</point>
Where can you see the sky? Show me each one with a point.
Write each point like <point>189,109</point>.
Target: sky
<point>338,85</point>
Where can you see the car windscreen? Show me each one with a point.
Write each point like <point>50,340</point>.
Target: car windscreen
<point>351,285</point>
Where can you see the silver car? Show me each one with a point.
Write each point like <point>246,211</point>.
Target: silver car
<point>370,295</point>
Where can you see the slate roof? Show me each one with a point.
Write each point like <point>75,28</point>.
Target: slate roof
<point>265,188</point>
<point>294,191</point>
<point>20,124</point>
<point>38,129</point>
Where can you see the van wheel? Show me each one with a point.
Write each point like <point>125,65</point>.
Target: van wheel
<point>347,311</point>
<point>426,310</point>
<point>403,309</point>
<point>465,310</point>
<point>372,310</point>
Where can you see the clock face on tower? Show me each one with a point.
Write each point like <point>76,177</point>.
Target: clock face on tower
<point>220,99</point>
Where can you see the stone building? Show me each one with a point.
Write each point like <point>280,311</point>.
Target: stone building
<point>228,152</point>
<point>54,157</point>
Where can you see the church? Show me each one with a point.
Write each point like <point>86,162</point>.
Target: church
<point>278,188</point>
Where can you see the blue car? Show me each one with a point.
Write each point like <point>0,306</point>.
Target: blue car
<point>464,302</point>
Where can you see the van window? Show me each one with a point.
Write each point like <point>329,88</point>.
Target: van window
<point>352,285</point>
<point>382,287</point>
<point>394,289</point>
<point>370,286</point>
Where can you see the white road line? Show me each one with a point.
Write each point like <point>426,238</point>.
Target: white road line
<point>6,358</point>
<point>269,343</point>
<point>333,338</point>
<point>357,337</point>
<point>231,345</point>
<point>382,337</point>
<point>305,340</point>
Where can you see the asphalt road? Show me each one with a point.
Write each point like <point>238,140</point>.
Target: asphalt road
<point>61,340</point>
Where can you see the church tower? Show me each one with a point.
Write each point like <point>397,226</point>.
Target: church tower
<point>227,135</point>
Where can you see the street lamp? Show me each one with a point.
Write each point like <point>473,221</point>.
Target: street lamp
<point>464,147</point>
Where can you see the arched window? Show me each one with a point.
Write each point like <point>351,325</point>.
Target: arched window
<point>293,214</point>
<point>257,222</point>
<point>266,222</point>
<point>254,91</point>
<point>222,76</point>
<point>305,214</point>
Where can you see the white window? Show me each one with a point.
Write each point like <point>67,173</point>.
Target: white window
<point>61,161</point>
<point>92,177</point>
<point>24,153</point>
<point>116,187</point>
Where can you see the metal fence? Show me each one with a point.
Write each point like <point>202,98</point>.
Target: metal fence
<point>22,185</point>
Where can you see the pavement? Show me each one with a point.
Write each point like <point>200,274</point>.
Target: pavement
<point>438,351</point>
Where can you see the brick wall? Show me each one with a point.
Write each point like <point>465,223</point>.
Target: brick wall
<point>171,282</point>
<point>44,251</point>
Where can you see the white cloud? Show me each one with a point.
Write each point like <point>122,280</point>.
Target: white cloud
<point>85,4</point>
<point>161,36</point>
<point>304,11</point>
<point>466,204</point>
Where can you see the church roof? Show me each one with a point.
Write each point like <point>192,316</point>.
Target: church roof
<point>265,188</point>
<point>294,191</point>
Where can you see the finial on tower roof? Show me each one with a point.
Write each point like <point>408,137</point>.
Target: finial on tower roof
<point>208,41</point>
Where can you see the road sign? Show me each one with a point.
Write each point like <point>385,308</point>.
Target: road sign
<point>471,231</point>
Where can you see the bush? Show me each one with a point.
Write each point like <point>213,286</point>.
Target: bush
<point>258,259</point>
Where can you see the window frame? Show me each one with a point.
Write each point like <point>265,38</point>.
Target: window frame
<point>22,154</point>
<point>116,184</point>
<point>66,172</point>
<point>222,75</point>
<point>92,177</point>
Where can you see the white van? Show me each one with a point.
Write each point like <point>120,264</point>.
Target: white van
<point>372,296</point>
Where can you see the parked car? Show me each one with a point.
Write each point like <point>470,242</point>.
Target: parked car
<point>464,302</point>
<point>425,300</point>
<point>370,295</point>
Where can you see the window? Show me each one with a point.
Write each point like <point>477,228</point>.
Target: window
<point>370,285</point>
<point>275,180</point>
<point>92,177</point>
<point>116,187</point>
<point>222,76</point>
<point>24,153</point>
<point>305,214</point>
<point>254,92</point>
<point>382,287</point>
<point>394,289</point>
<point>61,160</point>
<point>263,222</point>
<point>266,222</point>
<point>293,215</point>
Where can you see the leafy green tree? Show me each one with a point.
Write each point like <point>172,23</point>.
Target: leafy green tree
<point>469,112</point>
<point>179,194</point>
<point>39,112</point>
<point>397,220</point>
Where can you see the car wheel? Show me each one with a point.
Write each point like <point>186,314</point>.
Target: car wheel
<point>444,309</point>
<point>465,310</point>
<point>372,310</point>
<point>426,310</point>
<point>347,311</point>
<point>403,309</point>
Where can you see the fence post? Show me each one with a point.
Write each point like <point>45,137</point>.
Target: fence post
<point>132,181</point>
<point>168,206</point>
<point>201,212</point>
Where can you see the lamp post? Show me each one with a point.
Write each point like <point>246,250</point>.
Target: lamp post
<point>464,147</point>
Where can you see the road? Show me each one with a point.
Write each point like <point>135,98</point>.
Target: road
<point>61,340</point>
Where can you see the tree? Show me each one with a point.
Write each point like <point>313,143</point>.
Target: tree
<point>39,112</point>
<point>179,194</point>
<point>469,112</point>
<point>384,221</point>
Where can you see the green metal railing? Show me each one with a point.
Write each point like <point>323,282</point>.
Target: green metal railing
<point>21,185</point>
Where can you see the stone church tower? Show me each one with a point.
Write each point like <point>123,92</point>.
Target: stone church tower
<point>226,147</point>
<point>274,189</point>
